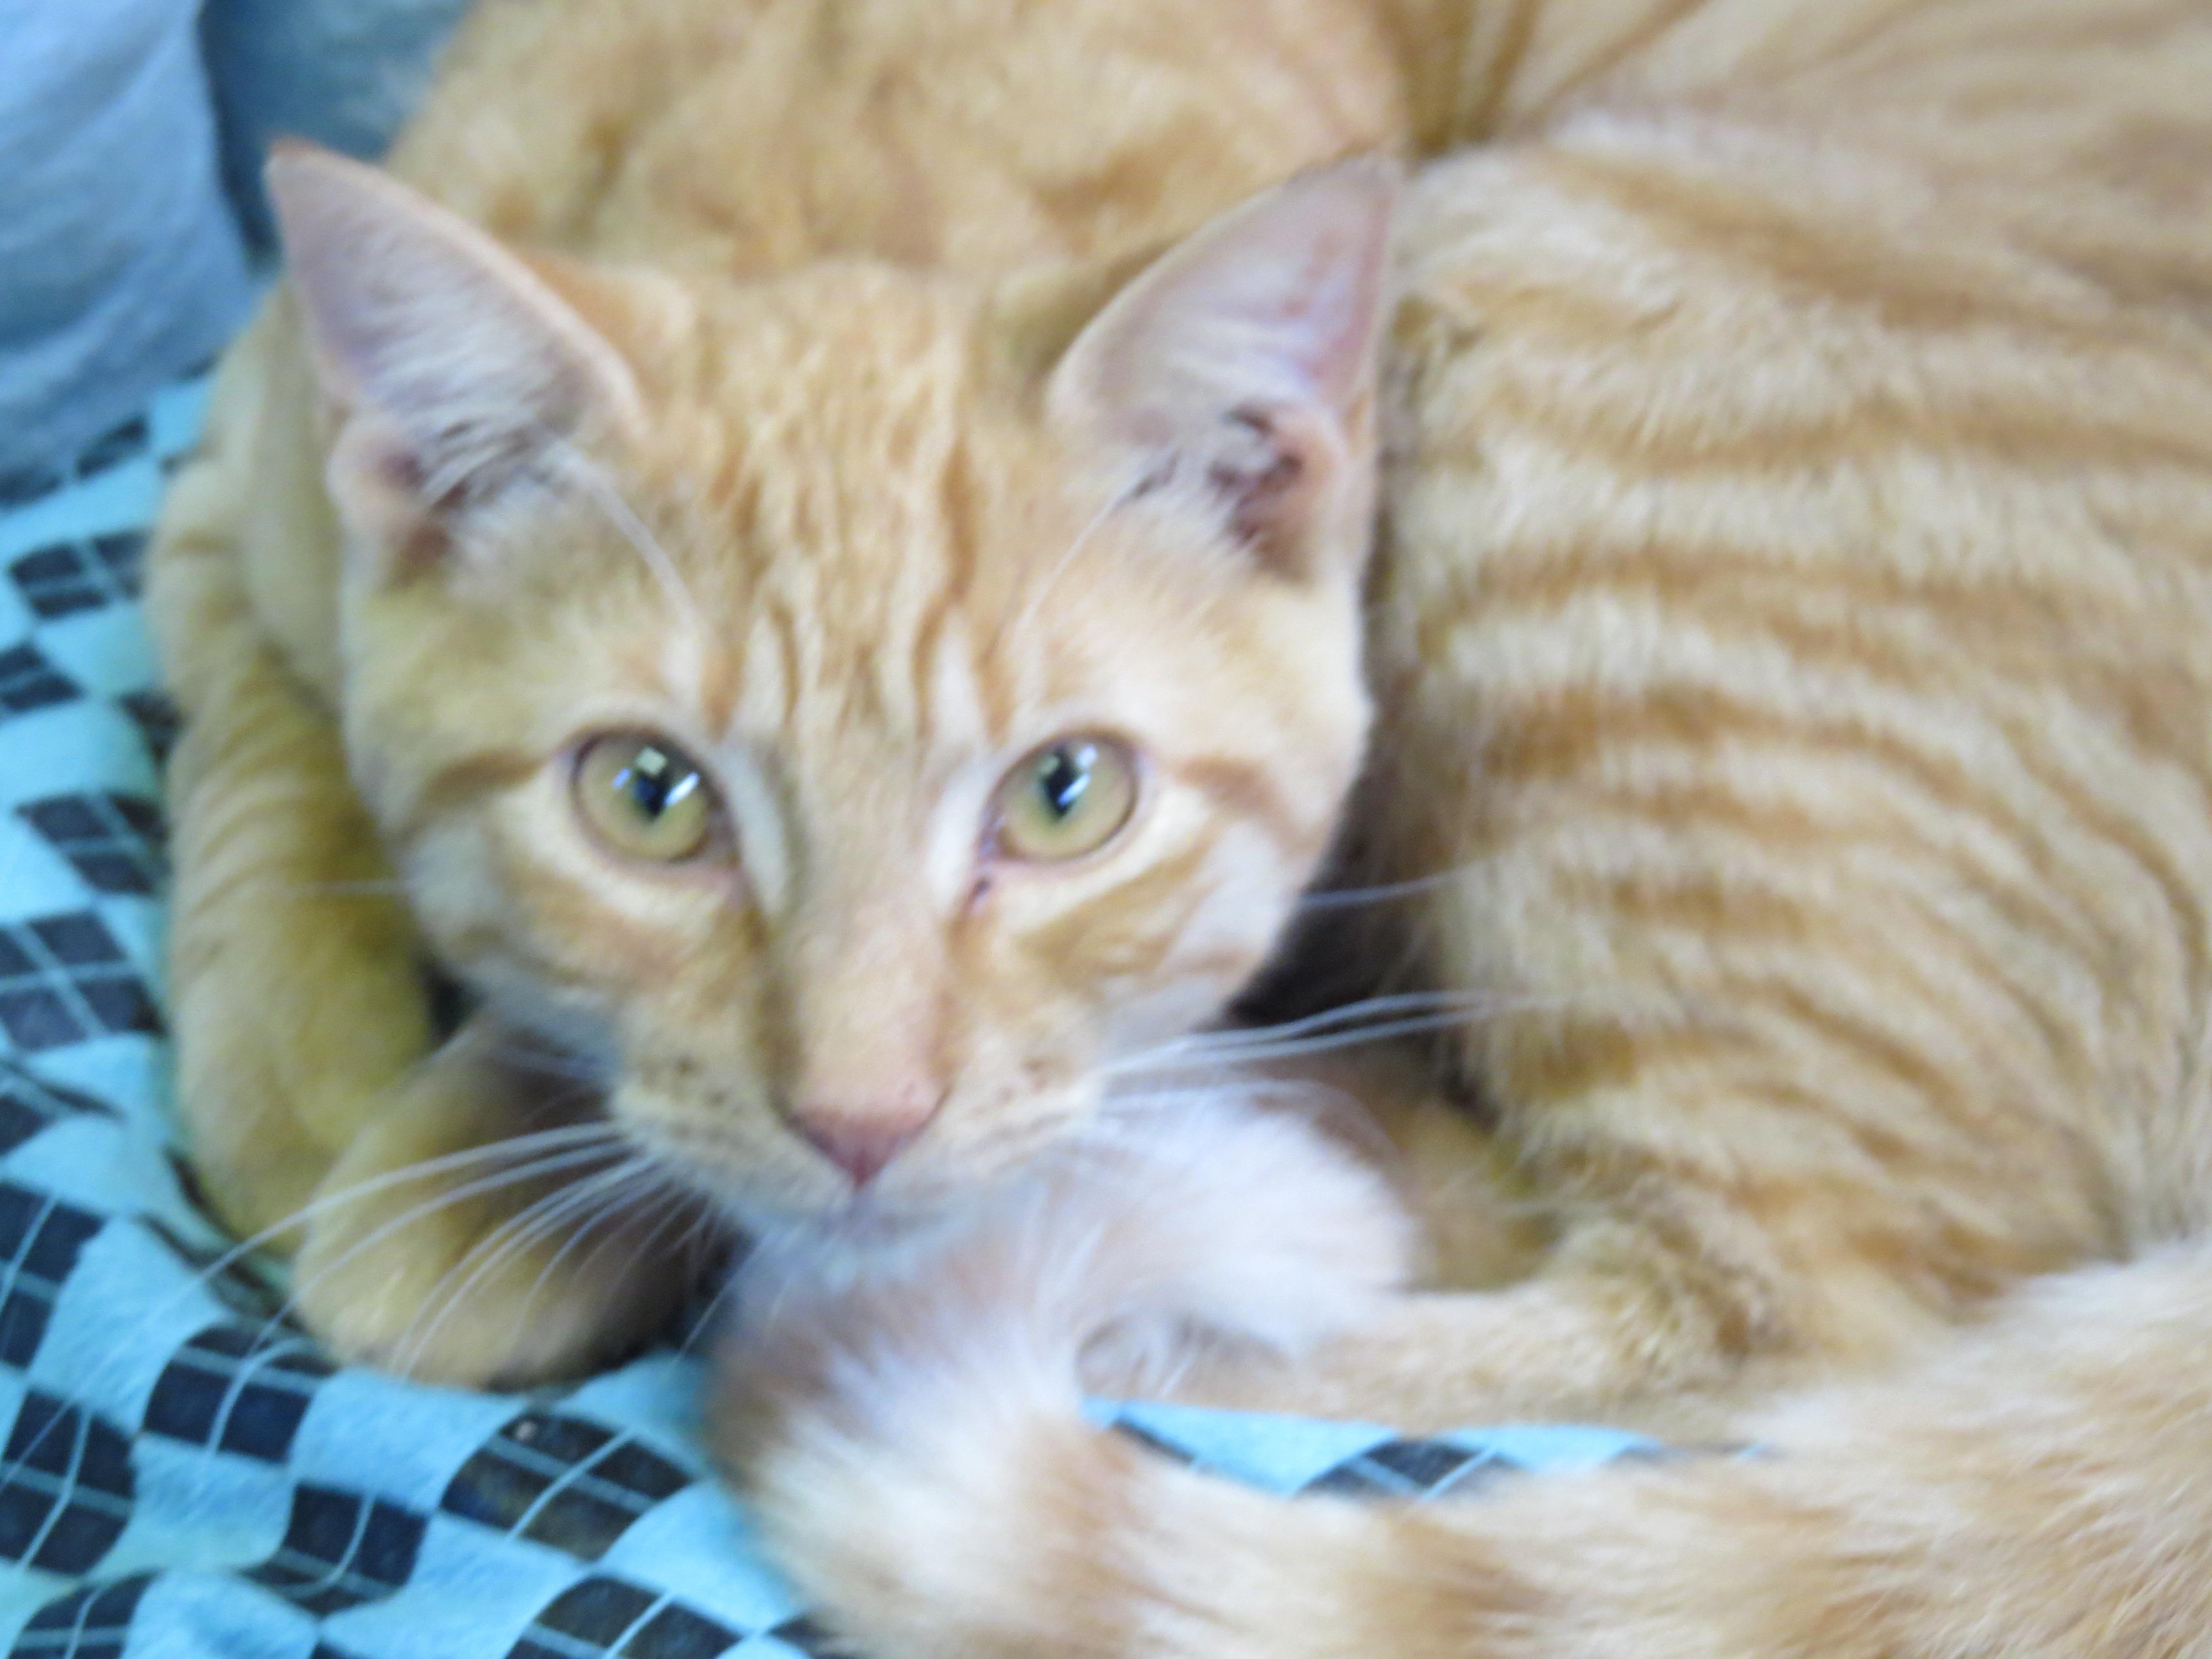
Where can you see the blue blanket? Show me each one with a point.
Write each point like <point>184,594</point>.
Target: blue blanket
<point>184,1475</point>
<point>131,133</point>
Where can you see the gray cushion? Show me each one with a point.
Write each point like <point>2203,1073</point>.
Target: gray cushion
<point>120,264</point>
<point>122,258</point>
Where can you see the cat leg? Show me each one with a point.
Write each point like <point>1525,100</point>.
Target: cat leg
<point>294,992</point>
<point>295,987</point>
<point>2038,1486</point>
<point>487,1228</point>
<point>1648,1311</point>
<point>1626,1349</point>
<point>1522,1308</point>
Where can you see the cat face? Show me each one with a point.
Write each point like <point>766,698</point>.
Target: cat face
<point>864,736</point>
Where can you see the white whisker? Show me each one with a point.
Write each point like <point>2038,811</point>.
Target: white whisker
<point>542,1217</point>
<point>590,477</point>
<point>1064,564</point>
<point>1335,898</point>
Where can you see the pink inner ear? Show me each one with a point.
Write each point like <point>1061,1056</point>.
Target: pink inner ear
<point>1262,467</point>
<point>471,363</point>
<point>1275,305</point>
<point>1244,357</point>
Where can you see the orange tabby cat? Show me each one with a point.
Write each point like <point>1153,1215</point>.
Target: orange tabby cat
<point>855,689</point>
<point>1792,627</point>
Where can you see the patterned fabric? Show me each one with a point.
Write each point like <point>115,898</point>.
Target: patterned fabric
<point>184,1475</point>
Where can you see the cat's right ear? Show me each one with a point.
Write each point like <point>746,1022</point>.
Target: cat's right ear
<point>1240,368</point>
<point>458,372</point>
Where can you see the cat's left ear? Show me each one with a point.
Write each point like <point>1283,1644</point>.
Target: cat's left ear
<point>459,371</point>
<point>1242,365</point>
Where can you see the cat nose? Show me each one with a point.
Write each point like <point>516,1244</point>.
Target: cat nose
<point>862,1142</point>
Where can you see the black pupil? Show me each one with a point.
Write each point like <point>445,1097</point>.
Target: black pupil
<point>655,780</point>
<point>1062,778</point>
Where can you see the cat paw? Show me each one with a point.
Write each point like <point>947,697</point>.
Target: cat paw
<point>464,1238</point>
<point>454,1296</point>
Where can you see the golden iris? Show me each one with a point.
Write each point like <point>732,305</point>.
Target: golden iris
<point>1067,799</point>
<point>646,798</point>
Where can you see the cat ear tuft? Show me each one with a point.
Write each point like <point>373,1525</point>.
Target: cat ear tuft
<point>1243,361</point>
<point>458,368</point>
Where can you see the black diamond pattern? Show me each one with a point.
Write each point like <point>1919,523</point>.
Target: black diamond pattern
<point>91,1622</point>
<point>239,1387</point>
<point>126,442</point>
<point>67,577</point>
<point>29,681</point>
<point>40,1239</point>
<point>1410,1468</point>
<point>603,1615</point>
<point>28,1103</point>
<point>65,1488</point>
<point>157,721</point>
<point>112,839</point>
<point>563,1481</point>
<point>123,443</point>
<point>64,979</point>
<point>810,1638</point>
<point>340,1550</point>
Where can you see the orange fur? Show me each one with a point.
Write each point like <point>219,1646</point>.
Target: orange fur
<point>1788,779</point>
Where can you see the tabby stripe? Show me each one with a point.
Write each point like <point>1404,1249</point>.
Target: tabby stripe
<point>1728,220</point>
<point>1507,32</point>
<point>922,660</point>
<point>1563,741</point>
<point>1635,42</point>
<point>462,784</point>
<point>1122,929</point>
<point>1742,909</point>
<point>1252,793</point>
<point>1997,428</point>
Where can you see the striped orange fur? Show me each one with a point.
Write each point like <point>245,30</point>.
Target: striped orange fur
<point>1787,792</point>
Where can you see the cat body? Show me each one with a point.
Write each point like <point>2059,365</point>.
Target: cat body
<point>1783,647</point>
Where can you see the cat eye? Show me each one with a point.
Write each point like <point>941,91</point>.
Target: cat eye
<point>1067,799</point>
<point>645,798</point>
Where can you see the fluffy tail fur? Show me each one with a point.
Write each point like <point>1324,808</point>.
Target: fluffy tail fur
<point>2040,1487</point>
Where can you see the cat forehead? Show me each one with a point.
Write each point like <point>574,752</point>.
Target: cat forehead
<point>881,538</point>
<point>849,416</point>
<point>843,489</point>
<point>861,352</point>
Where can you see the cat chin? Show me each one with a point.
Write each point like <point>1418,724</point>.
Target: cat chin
<point>868,1229</point>
<point>859,1227</point>
<point>868,1226</point>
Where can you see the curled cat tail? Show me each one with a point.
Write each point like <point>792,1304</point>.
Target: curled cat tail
<point>2040,1487</point>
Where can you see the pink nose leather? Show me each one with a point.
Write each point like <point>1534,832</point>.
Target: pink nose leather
<point>861,1143</point>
